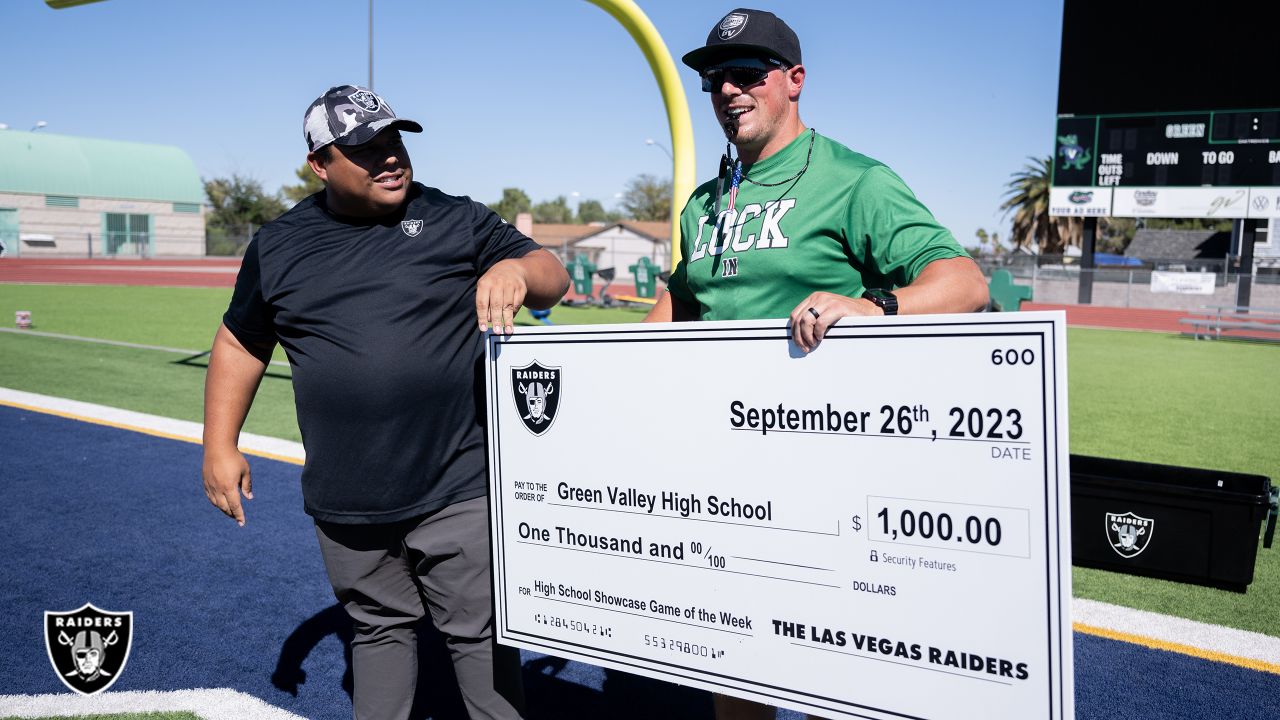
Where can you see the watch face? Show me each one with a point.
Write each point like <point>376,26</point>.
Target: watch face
<point>887,301</point>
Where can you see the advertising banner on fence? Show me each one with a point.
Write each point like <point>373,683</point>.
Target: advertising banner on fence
<point>878,529</point>
<point>1186,283</point>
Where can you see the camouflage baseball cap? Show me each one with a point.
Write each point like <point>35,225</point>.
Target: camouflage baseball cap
<point>350,115</point>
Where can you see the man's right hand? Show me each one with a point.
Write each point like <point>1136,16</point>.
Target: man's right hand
<point>229,386</point>
<point>226,475</point>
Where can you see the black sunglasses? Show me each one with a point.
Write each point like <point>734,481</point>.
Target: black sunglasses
<point>743,77</point>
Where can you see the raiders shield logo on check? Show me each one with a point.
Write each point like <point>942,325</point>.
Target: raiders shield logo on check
<point>536,391</point>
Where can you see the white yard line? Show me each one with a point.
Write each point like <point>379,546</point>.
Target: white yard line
<point>1214,639</point>
<point>213,704</point>
<point>286,450</point>
<point>119,343</point>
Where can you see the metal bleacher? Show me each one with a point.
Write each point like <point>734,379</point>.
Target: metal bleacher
<point>1215,322</point>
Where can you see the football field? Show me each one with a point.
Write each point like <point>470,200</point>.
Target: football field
<point>102,513</point>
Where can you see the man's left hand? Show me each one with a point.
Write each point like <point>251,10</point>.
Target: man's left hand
<point>821,310</point>
<point>499,294</point>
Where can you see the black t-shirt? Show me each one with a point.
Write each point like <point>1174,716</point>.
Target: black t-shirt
<point>378,320</point>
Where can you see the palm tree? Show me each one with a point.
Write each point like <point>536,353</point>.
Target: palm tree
<point>1028,200</point>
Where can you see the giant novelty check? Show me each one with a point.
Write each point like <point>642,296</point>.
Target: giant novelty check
<point>877,529</point>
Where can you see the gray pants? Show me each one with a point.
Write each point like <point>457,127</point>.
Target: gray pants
<point>387,576</point>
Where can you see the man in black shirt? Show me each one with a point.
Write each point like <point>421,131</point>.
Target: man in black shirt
<point>376,288</point>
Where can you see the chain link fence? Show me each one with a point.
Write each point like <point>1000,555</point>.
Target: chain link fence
<point>224,242</point>
<point>214,242</point>
<point>1172,284</point>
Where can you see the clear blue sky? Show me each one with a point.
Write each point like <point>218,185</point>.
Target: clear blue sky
<point>548,95</point>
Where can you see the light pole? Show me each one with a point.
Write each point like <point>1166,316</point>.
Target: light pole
<point>651,141</point>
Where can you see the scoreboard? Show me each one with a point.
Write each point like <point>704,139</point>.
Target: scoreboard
<point>1167,114</point>
<point>1207,164</point>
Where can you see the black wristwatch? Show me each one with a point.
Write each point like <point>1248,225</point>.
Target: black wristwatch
<point>887,301</point>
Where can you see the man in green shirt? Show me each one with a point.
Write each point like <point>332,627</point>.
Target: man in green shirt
<point>800,226</point>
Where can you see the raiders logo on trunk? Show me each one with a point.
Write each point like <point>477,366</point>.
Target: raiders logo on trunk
<point>536,391</point>
<point>88,647</point>
<point>1128,533</point>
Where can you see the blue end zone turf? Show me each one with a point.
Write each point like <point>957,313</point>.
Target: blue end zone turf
<point>118,519</point>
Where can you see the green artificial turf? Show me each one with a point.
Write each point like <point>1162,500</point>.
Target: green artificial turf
<point>151,381</point>
<point>578,315</point>
<point>169,317</point>
<point>1132,395</point>
<point>140,380</point>
<point>1169,399</point>
<point>184,317</point>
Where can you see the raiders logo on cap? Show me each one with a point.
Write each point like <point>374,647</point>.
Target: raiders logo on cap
<point>366,100</point>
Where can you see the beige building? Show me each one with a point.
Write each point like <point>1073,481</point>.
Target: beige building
<point>78,197</point>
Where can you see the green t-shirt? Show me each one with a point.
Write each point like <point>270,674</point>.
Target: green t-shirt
<point>846,224</point>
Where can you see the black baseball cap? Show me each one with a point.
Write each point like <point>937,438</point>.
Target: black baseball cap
<point>746,32</point>
<point>350,115</point>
